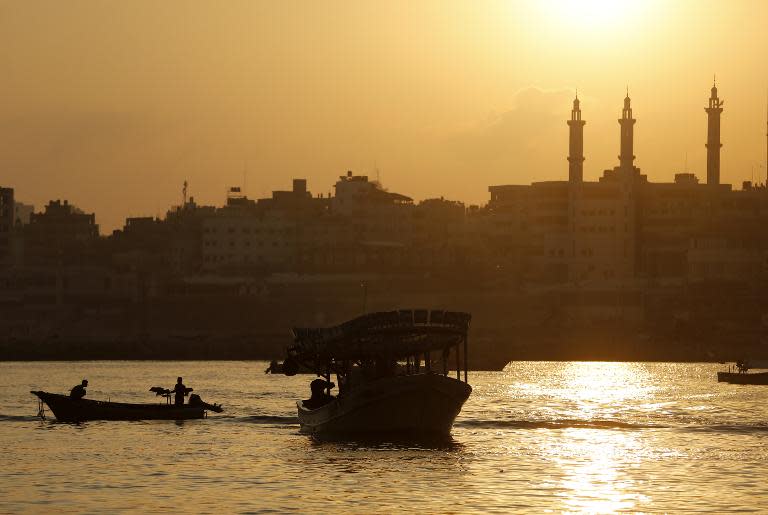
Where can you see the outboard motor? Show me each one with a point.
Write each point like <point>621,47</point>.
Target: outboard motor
<point>290,367</point>
<point>195,400</point>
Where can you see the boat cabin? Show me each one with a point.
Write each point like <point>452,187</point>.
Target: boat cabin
<point>383,344</point>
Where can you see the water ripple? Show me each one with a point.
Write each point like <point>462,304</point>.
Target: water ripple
<point>537,437</point>
<point>554,424</point>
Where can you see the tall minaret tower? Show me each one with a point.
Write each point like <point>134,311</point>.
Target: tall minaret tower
<point>627,156</point>
<point>576,144</point>
<point>713,137</point>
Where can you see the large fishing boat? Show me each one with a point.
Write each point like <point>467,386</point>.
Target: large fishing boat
<point>392,369</point>
<point>67,409</point>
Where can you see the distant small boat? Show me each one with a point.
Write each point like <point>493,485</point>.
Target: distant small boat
<point>742,377</point>
<point>66,409</point>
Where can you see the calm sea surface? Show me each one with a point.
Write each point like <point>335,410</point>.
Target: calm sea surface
<point>597,437</point>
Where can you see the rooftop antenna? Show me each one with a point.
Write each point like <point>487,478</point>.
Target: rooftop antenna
<point>245,177</point>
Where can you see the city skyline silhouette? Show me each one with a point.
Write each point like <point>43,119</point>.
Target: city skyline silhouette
<point>443,105</point>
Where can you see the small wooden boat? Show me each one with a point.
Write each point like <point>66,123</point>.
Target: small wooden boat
<point>742,377</point>
<point>66,409</point>
<point>388,381</point>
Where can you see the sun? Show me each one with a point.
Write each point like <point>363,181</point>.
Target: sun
<point>591,14</point>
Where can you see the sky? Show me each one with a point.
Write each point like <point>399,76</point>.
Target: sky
<point>113,104</point>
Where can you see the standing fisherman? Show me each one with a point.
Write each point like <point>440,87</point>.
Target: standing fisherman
<point>181,391</point>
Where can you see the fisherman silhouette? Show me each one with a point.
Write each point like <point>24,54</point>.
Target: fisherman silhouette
<point>181,391</point>
<point>78,392</point>
<point>273,367</point>
<point>319,396</point>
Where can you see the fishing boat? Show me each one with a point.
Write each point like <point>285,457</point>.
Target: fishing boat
<point>743,377</point>
<point>66,409</point>
<point>740,374</point>
<point>388,379</point>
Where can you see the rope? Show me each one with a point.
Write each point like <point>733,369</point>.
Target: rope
<point>41,409</point>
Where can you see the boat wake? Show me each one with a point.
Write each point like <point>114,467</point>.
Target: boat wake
<point>731,428</point>
<point>389,441</point>
<point>553,424</point>
<point>18,418</point>
<point>272,420</point>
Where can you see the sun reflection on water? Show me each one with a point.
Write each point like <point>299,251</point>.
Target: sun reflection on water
<point>593,460</point>
<point>593,463</point>
<point>599,390</point>
<point>605,382</point>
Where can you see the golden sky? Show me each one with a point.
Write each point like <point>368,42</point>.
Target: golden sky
<point>113,104</point>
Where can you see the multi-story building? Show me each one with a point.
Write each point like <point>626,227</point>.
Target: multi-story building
<point>22,212</point>
<point>363,228</point>
<point>61,234</point>
<point>6,224</point>
<point>264,234</point>
<point>623,227</point>
<point>440,237</point>
<point>376,216</point>
<point>237,239</point>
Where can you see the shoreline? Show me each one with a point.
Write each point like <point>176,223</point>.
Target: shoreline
<point>488,349</point>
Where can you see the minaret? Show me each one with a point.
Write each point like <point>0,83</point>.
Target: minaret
<point>627,123</point>
<point>576,144</point>
<point>713,137</point>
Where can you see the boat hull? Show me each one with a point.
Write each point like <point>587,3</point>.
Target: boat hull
<point>66,409</point>
<point>416,404</point>
<point>746,378</point>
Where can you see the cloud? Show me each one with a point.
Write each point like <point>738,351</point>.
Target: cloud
<point>529,140</point>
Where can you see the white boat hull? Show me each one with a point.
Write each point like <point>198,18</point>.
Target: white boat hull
<point>419,404</point>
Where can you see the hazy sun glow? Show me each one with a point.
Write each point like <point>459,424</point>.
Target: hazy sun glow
<point>126,110</point>
<point>592,14</point>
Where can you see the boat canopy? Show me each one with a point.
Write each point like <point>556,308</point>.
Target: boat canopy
<point>390,334</point>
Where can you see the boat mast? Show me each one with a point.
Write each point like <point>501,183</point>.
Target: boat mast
<point>466,359</point>
<point>458,361</point>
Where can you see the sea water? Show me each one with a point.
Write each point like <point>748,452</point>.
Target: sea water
<point>561,437</point>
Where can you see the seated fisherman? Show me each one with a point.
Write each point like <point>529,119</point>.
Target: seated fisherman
<point>273,367</point>
<point>180,392</point>
<point>319,395</point>
<point>78,392</point>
